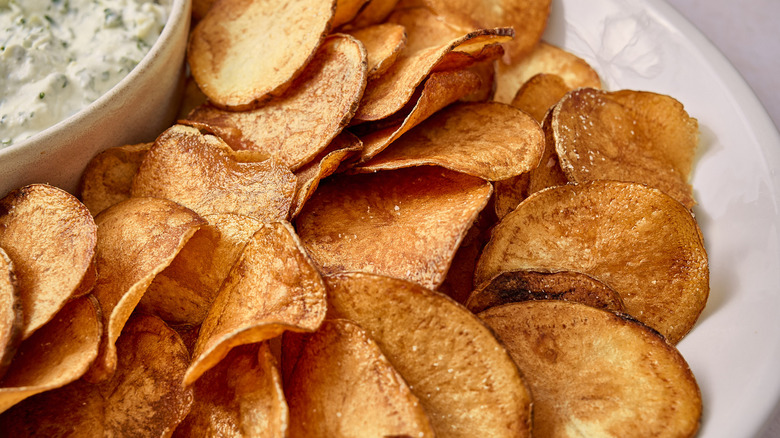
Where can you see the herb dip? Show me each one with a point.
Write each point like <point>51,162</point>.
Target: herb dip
<point>58,56</point>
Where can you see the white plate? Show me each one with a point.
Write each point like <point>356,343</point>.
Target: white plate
<point>734,350</point>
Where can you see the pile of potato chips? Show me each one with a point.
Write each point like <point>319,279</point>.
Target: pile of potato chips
<point>373,218</point>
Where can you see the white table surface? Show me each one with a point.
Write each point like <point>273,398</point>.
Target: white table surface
<point>747,32</point>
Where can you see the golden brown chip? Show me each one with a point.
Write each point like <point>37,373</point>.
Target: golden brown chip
<point>346,10</point>
<point>144,398</point>
<point>539,93</point>
<point>426,46</point>
<point>514,286</point>
<point>595,373</point>
<point>545,58</point>
<point>490,140</point>
<point>461,374</point>
<point>50,238</point>
<point>11,317</point>
<point>202,173</point>
<point>200,8</point>
<point>299,124</point>
<point>272,287</point>
<point>344,386</point>
<point>374,12</point>
<point>344,146</point>
<point>137,239</point>
<point>438,91</point>
<point>281,36</point>
<point>108,177</point>
<point>183,292</point>
<point>242,396</point>
<point>635,239</point>
<point>626,135</point>
<point>383,42</point>
<point>404,223</point>
<point>548,173</point>
<point>528,17</point>
<point>192,97</point>
<point>56,354</point>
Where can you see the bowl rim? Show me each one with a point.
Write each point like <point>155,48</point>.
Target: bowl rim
<point>179,11</point>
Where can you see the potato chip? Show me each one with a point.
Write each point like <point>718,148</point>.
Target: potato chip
<point>11,317</point>
<point>374,12</point>
<point>242,396</point>
<point>545,58</point>
<point>344,146</point>
<point>539,93</point>
<point>202,173</point>
<point>635,239</point>
<point>595,373</point>
<point>514,286</point>
<point>192,97</point>
<point>383,42</point>
<point>528,17</point>
<point>461,374</point>
<point>404,223</point>
<point>144,398</point>
<point>344,386</point>
<point>108,177</point>
<point>626,135</point>
<point>50,237</point>
<point>548,173</point>
<point>58,353</point>
<point>272,287</point>
<point>137,239</point>
<point>282,37</point>
<point>426,46</point>
<point>346,10</point>
<point>490,140</point>
<point>300,123</point>
<point>438,91</point>
<point>183,292</point>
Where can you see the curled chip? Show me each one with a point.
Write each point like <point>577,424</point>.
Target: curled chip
<point>241,396</point>
<point>344,146</point>
<point>137,239</point>
<point>202,173</point>
<point>462,375</point>
<point>343,385</point>
<point>545,58</point>
<point>528,17</point>
<point>626,135</point>
<point>144,398</point>
<point>299,124</point>
<point>281,36</point>
<point>108,178</point>
<point>595,373</point>
<point>490,140</point>
<point>439,90</point>
<point>514,286</point>
<point>404,223</point>
<point>183,292</point>
<point>58,353</point>
<point>383,42</point>
<point>10,313</point>
<point>271,288</point>
<point>428,41</point>
<point>50,237</point>
<point>635,239</point>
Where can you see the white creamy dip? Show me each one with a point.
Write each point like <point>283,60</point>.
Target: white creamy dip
<point>58,56</point>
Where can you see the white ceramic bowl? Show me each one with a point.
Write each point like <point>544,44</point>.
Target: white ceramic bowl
<point>135,110</point>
